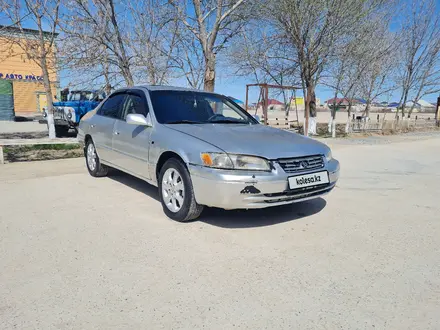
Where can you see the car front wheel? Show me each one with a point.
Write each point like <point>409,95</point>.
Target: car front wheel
<point>176,192</point>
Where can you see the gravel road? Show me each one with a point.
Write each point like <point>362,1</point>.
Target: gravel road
<point>84,253</point>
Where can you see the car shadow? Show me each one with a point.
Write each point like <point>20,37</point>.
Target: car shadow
<point>233,218</point>
<point>262,217</point>
<point>134,183</point>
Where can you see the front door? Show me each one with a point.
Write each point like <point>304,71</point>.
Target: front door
<point>102,126</point>
<point>131,142</point>
<point>42,102</point>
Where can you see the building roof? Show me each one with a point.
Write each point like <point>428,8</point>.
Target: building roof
<point>274,102</point>
<point>425,104</point>
<point>15,29</point>
<point>338,101</point>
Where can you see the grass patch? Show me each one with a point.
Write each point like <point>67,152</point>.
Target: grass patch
<point>37,147</point>
<point>24,153</point>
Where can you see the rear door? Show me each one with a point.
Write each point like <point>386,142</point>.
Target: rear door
<point>131,142</point>
<point>102,125</point>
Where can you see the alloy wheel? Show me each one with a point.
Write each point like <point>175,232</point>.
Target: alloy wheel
<point>91,156</point>
<point>173,190</point>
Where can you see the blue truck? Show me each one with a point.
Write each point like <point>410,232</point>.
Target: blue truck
<point>67,114</point>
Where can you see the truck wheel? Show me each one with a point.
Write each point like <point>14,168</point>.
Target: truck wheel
<point>94,166</point>
<point>61,131</point>
<point>176,192</point>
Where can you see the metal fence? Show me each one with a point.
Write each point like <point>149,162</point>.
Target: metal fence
<point>362,124</point>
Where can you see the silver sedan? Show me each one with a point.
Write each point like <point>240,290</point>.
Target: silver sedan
<point>202,149</point>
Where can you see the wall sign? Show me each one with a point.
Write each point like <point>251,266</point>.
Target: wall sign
<point>20,76</point>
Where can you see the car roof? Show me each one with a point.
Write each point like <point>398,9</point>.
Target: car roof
<point>153,88</point>
<point>166,88</point>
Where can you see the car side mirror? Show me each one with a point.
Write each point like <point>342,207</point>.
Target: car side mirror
<point>138,119</point>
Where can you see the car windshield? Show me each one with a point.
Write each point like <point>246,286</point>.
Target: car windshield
<point>188,107</point>
<point>81,96</point>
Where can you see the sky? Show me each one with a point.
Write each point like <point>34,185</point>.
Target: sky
<point>234,86</point>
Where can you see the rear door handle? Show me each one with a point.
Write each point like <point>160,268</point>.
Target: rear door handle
<point>91,126</point>
<point>116,132</point>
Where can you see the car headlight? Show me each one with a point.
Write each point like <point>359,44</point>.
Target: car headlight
<point>328,155</point>
<point>69,115</point>
<point>234,162</point>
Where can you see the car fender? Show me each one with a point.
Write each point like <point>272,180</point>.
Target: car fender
<point>165,140</point>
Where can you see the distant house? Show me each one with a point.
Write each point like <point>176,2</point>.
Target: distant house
<point>420,105</point>
<point>272,104</point>
<point>344,102</point>
<point>425,104</point>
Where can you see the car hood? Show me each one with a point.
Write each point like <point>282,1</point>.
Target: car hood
<point>258,140</point>
<point>72,104</point>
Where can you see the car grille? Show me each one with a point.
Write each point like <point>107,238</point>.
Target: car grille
<point>59,113</point>
<point>298,194</point>
<point>301,164</point>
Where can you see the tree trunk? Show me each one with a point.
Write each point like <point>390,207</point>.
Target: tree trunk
<point>124,61</point>
<point>367,108</point>
<point>310,98</point>
<point>126,72</point>
<point>47,89</point>
<point>333,113</point>
<point>405,99</point>
<point>347,125</point>
<point>49,97</point>
<point>209,81</point>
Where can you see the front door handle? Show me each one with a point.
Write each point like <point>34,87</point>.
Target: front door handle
<point>116,132</point>
<point>91,126</point>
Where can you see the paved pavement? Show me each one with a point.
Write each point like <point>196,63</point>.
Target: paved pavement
<point>23,127</point>
<point>4,142</point>
<point>84,253</point>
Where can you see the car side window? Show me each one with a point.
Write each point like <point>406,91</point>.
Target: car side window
<point>134,104</point>
<point>112,107</point>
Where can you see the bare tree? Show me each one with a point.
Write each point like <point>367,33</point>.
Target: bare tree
<point>377,80</point>
<point>362,66</point>
<point>213,23</point>
<point>316,29</point>
<point>153,38</point>
<point>39,48</point>
<point>95,40</point>
<point>188,60</point>
<point>420,50</point>
<point>263,56</point>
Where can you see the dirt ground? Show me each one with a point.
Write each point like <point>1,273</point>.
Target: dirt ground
<point>83,253</point>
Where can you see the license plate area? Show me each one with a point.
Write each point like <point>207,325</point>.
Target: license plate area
<point>308,180</point>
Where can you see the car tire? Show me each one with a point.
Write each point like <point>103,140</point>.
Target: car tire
<point>61,131</point>
<point>93,163</point>
<point>176,192</point>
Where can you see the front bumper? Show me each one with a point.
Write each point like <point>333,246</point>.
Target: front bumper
<point>60,118</point>
<point>253,190</point>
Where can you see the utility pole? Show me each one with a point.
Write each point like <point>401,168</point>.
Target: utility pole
<point>437,112</point>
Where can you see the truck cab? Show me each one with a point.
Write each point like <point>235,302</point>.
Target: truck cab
<point>68,113</point>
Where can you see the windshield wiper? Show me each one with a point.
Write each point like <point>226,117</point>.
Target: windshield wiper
<point>227,121</point>
<point>184,122</point>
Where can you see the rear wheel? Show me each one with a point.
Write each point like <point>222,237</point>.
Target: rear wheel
<point>94,165</point>
<point>176,192</point>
